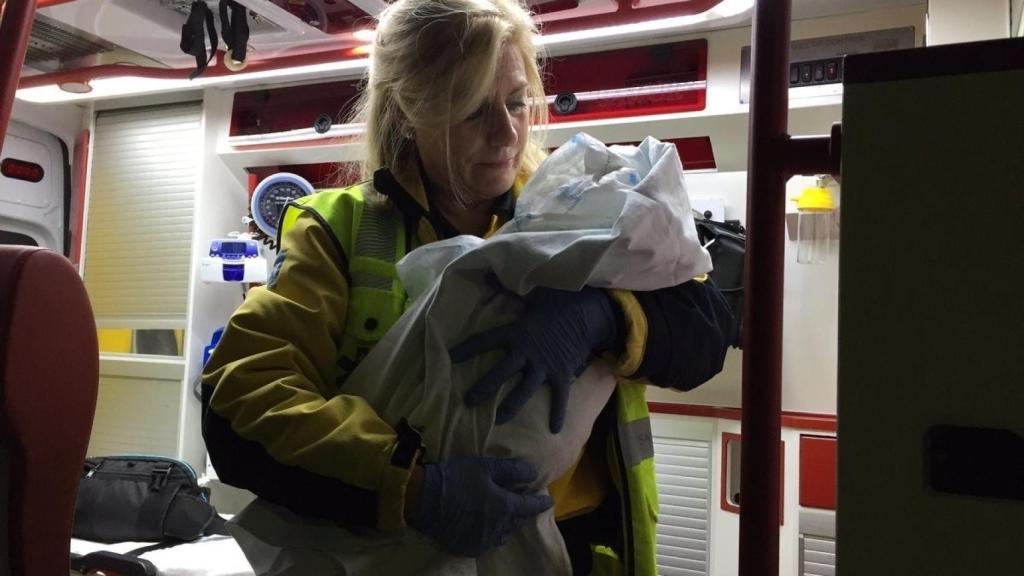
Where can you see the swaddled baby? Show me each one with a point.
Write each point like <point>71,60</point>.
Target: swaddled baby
<point>591,216</point>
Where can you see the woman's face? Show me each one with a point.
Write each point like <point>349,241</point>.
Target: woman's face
<point>486,148</point>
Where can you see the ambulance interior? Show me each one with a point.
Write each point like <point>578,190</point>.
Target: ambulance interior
<point>142,174</point>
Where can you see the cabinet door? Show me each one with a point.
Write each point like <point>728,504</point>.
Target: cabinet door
<point>931,318</point>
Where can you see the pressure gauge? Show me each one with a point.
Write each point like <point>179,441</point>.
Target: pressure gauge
<point>271,196</point>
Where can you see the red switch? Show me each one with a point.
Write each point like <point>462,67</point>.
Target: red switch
<point>831,70</point>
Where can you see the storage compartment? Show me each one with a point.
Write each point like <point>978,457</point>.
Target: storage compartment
<point>293,110</point>
<point>818,471</point>
<point>321,175</point>
<point>657,79</point>
<point>695,153</point>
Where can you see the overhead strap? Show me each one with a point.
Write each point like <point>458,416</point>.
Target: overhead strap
<point>192,41</point>
<point>234,28</point>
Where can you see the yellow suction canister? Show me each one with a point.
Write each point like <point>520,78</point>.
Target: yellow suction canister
<point>817,198</point>
<point>815,208</point>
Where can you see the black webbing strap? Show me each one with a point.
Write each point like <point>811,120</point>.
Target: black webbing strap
<point>192,41</point>
<point>154,508</point>
<point>216,527</point>
<point>107,562</point>
<point>234,28</point>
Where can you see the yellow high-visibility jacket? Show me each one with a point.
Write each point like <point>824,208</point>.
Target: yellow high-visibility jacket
<point>277,421</point>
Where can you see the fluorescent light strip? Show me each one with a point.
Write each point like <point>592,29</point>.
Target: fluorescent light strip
<point>724,9</point>
<point>816,91</point>
<point>298,135</point>
<point>285,72</point>
<point>619,31</point>
<point>365,35</point>
<point>638,91</point>
<point>134,85</point>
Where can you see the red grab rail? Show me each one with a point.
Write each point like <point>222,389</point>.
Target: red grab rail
<point>15,27</point>
<point>773,158</point>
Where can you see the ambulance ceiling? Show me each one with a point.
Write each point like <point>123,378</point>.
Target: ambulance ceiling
<point>85,33</point>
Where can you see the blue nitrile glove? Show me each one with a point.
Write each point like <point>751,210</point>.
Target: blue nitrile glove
<point>471,505</point>
<point>551,343</point>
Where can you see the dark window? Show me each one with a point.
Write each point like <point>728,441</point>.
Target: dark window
<point>16,239</point>
<point>162,342</point>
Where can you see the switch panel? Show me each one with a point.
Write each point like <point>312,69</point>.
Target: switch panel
<point>819,61</point>
<point>818,72</point>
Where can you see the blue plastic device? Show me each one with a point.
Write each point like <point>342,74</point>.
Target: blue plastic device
<point>233,254</point>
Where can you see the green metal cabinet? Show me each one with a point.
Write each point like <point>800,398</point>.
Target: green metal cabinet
<point>931,313</point>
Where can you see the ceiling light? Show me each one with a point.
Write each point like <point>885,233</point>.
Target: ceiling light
<point>727,8</point>
<point>234,65</point>
<point>76,87</point>
<point>365,35</point>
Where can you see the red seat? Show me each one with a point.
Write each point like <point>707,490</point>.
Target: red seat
<point>49,374</point>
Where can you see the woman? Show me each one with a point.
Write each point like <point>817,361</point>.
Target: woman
<point>452,92</point>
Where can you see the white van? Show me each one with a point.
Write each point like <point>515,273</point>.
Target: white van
<point>35,189</point>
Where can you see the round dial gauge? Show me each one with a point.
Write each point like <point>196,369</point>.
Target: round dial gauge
<point>271,196</point>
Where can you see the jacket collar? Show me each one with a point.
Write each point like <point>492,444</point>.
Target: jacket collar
<point>408,192</point>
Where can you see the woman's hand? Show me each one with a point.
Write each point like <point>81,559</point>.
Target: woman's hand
<point>551,343</point>
<point>471,505</point>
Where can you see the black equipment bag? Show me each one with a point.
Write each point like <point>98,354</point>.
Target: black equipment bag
<point>142,499</point>
<point>727,244</point>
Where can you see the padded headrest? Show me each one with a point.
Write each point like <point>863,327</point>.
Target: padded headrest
<point>43,305</point>
<point>49,371</point>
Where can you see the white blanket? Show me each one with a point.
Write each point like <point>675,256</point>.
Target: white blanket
<point>208,556</point>
<point>592,215</point>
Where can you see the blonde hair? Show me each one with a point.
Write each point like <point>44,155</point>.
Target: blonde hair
<point>429,69</point>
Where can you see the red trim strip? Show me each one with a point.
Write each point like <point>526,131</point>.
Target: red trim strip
<point>816,422</point>
<point>799,420</point>
<point>78,195</point>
